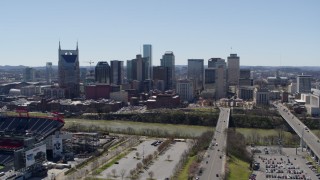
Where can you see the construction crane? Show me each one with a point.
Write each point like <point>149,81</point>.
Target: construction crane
<point>90,62</point>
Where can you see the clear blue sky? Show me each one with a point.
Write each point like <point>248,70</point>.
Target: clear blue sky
<point>269,32</point>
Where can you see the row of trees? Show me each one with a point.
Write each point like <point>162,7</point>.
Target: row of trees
<point>146,161</point>
<point>236,145</point>
<point>168,117</point>
<point>197,147</point>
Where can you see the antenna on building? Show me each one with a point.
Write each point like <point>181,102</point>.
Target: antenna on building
<point>231,50</point>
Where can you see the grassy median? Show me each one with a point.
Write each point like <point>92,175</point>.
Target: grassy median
<point>184,174</point>
<point>238,169</point>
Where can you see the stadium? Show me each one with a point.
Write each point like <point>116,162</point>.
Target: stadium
<point>25,142</point>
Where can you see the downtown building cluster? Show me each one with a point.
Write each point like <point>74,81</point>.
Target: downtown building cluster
<point>138,82</point>
<point>113,79</point>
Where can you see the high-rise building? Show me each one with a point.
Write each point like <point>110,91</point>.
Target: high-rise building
<point>135,68</point>
<point>69,72</point>
<point>102,72</point>
<point>245,78</point>
<point>261,96</point>
<point>304,83</point>
<point>129,71</point>
<point>28,74</point>
<point>116,72</point>
<point>161,76</point>
<point>196,72</point>
<point>209,78</point>
<point>185,90</point>
<point>220,83</point>
<point>215,77</point>
<point>49,72</point>
<point>216,62</point>
<point>147,53</point>
<point>168,60</point>
<point>245,74</point>
<point>233,70</point>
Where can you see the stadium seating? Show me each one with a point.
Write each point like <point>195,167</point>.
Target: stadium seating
<point>5,159</point>
<point>40,127</point>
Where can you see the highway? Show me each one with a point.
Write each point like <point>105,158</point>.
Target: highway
<point>309,139</point>
<point>213,165</point>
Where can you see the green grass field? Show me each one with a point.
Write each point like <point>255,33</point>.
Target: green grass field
<point>116,125</point>
<point>263,136</point>
<point>239,170</point>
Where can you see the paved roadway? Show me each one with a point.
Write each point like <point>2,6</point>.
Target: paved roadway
<point>311,140</point>
<point>213,165</point>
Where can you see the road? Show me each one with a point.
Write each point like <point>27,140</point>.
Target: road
<point>311,140</point>
<point>213,166</point>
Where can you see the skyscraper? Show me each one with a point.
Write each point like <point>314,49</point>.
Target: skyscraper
<point>168,60</point>
<point>129,71</point>
<point>161,76</point>
<point>233,70</point>
<point>49,72</point>
<point>69,72</point>
<point>102,72</point>
<point>210,78</point>
<point>220,83</point>
<point>216,62</point>
<point>196,72</point>
<point>245,78</point>
<point>147,53</point>
<point>136,67</point>
<point>215,77</point>
<point>28,74</point>
<point>116,74</point>
<point>303,83</point>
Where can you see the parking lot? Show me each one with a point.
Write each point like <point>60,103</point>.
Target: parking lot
<point>130,160</point>
<point>290,164</point>
<point>162,166</point>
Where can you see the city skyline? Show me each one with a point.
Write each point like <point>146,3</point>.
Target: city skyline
<point>273,33</point>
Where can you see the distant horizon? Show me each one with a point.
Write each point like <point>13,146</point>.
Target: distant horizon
<point>262,33</point>
<point>159,65</point>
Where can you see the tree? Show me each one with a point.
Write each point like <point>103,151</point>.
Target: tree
<point>137,155</point>
<point>151,174</point>
<point>114,172</point>
<point>132,172</point>
<point>155,154</point>
<point>168,157</point>
<point>122,173</point>
<point>139,166</point>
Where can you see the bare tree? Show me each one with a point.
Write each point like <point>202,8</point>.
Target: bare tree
<point>114,172</point>
<point>137,154</point>
<point>132,172</point>
<point>139,166</point>
<point>155,154</point>
<point>168,157</point>
<point>122,173</point>
<point>94,164</point>
<point>151,174</point>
